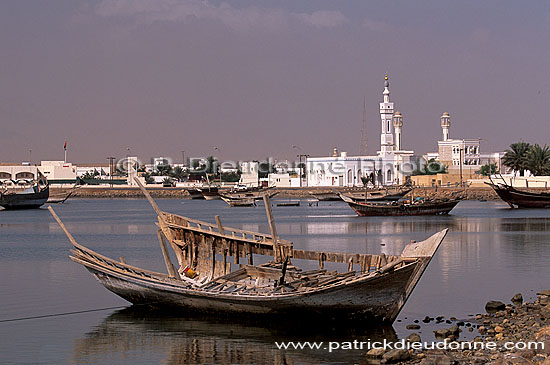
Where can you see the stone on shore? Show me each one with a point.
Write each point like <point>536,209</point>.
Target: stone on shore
<point>494,306</point>
<point>375,353</point>
<point>396,355</point>
<point>447,332</point>
<point>413,337</point>
<point>413,327</point>
<point>517,299</point>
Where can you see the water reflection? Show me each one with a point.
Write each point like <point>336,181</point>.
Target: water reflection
<point>152,336</point>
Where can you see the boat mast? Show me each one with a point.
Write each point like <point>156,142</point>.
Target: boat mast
<point>269,213</point>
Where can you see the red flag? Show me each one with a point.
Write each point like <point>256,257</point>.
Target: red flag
<point>65,146</point>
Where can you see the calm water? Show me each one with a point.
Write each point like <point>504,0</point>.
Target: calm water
<point>491,252</point>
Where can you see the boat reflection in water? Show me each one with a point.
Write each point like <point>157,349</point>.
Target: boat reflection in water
<point>138,334</point>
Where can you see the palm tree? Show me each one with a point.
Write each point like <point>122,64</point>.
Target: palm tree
<point>515,156</point>
<point>538,160</point>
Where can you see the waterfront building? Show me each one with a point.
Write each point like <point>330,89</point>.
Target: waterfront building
<point>250,173</point>
<point>283,180</point>
<point>462,156</point>
<point>390,166</point>
<point>57,172</point>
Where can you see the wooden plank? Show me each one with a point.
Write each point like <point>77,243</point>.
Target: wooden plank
<point>267,203</point>
<point>250,255</point>
<point>148,197</point>
<point>220,226</point>
<point>169,267</point>
<point>268,272</point>
<point>236,252</point>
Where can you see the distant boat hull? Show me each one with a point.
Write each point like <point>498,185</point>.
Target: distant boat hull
<point>402,209</point>
<point>521,199</point>
<point>195,194</point>
<point>288,204</point>
<point>22,200</point>
<point>60,197</point>
<point>211,193</point>
<point>326,197</point>
<point>243,202</point>
<point>381,195</point>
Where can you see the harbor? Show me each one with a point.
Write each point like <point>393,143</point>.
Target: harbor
<point>483,246</point>
<point>275,182</point>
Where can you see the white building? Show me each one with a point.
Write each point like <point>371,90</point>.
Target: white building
<point>390,166</point>
<point>462,155</point>
<point>284,180</point>
<point>250,173</point>
<point>54,171</point>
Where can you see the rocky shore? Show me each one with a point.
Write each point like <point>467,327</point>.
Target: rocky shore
<point>516,333</point>
<point>296,193</point>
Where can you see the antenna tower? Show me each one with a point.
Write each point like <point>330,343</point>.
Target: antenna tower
<point>363,149</point>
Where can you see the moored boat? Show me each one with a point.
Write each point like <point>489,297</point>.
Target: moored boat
<point>217,274</point>
<point>29,196</point>
<point>325,196</point>
<point>520,198</point>
<point>291,203</point>
<point>256,195</point>
<point>239,202</point>
<point>58,197</point>
<point>390,194</point>
<point>211,193</point>
<point>402,208</point>
<point>194,193</point>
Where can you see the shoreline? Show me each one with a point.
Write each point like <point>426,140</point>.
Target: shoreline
<point>477,193</point>
<point>502,325</point>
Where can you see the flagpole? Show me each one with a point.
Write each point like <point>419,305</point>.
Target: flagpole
<point>65,148</point>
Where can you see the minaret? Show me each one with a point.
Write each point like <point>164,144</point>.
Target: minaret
<point>386,113</point>
<point>446,125</point>
<point>397,125</point>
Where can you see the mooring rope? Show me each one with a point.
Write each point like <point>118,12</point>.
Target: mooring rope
<point>61,314</point>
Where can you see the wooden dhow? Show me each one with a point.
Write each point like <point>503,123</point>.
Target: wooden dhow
<point>61,196</point>
<point>520,198</point>
<point>387,194</point>
<point>402,208</point>
<point>216,273</point>
<point>29,196</point>
<point>239,202</point>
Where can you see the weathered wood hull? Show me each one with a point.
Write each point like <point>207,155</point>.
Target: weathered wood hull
<point>522,199</point>
<point>374,286</point>
<point>325,197</point>
<point>26,200</point>
<point>379,298</point>
<point>402,209</point>
<point>195,194</point>
<point>211,193</point>
<point>239,202</point>
<point>60,197</point>
<point>373,196</point>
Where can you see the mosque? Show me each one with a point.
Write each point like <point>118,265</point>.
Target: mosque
<point>390,166</point>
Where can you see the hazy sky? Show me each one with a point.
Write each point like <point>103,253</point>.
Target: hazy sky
<point>256,77</point>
